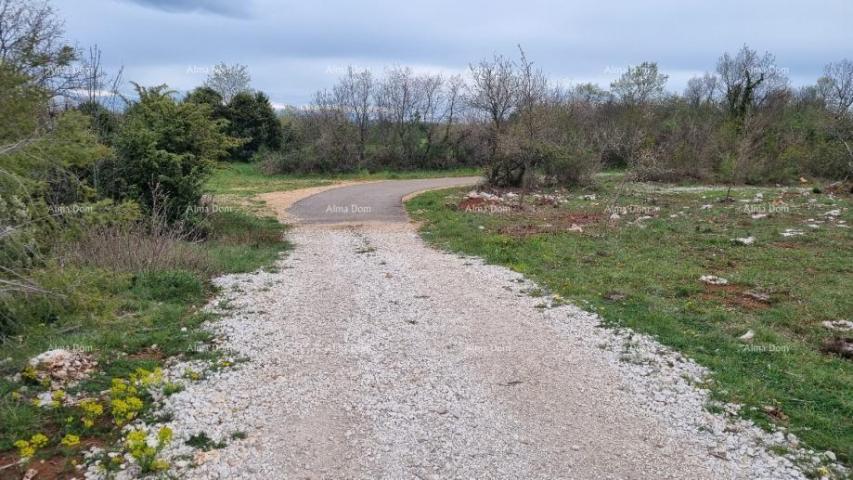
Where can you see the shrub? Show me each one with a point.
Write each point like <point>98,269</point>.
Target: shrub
<point>564,167</point>
<point>166,149</point>
<point>252,119</point>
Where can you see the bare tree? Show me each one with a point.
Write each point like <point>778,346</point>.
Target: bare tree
<point>31,41</point>
<point>640,85</point>
<point>229,80</point>
<point>748,79</point>
<point>97,85</point>
<point>587,93</point>
<point>398,98</point>
<point>455,86</point>
<point>493,91</point>
<point>431,106</point>
<point>702,90</point>
<point>836,86</point>
<point>532,91</point>
<point>356,90</point>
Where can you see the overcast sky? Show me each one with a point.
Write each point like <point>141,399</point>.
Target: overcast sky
<point>293,48</point>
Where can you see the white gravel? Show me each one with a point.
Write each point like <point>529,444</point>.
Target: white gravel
<point>371,355</point>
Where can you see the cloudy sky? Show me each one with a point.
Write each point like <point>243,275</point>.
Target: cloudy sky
<point>293,48</point>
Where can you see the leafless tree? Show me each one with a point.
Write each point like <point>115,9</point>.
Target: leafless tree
<point>748,79</point>
<point>356,90</point>
<point>587,93</point>
<point>229,80</point>
<point>97,85</point>
<point>31,41</point>
<point>702,90</point>
<point>532,92</point>
<point>494,91</point>
<point>453,96</point>
<point>836,86</point>
<point>397,99</point>
<point>640,85</point>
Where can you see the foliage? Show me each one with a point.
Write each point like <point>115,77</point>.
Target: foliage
<point>252,119</point>
<point>166,149</point>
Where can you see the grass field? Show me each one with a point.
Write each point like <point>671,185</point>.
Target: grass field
<point>644,273</point>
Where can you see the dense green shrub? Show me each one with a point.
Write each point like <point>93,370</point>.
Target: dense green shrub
<point>252,119</point>
<point>165,151</point>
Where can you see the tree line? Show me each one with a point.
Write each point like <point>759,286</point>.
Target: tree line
<point>741,123</point>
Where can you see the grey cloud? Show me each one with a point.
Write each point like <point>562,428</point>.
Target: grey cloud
<point>231,8</point>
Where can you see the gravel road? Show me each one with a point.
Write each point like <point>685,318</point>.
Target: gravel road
<point>371,355</point>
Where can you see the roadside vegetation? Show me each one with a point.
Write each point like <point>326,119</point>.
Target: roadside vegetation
<point>108,245</point>
<point>774,334</point>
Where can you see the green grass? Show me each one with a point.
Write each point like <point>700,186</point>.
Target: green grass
<point>657,269</point>
<point>127,321</point>
<point>244,179</point>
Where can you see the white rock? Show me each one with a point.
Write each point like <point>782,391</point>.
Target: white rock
<point>747,337</point>
<point>713,280</point>
<point>744,240</point>
<point>839,325</point>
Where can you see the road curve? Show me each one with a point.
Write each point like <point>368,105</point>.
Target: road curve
<point>369,202</point>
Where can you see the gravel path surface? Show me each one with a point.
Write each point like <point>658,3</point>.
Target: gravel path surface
<point>371,355</point>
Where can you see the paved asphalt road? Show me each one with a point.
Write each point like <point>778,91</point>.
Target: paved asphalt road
<point>369,202</point>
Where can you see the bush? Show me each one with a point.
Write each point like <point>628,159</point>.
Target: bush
<point>166,151</point>
<point>564,167</point>
<point>252,119</point>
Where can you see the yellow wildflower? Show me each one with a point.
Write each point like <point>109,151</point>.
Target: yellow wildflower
<point>164,435</point>
<point>57,397</point>
<point>70,440</point>
<point>25,450</point>
<point>39,440</point>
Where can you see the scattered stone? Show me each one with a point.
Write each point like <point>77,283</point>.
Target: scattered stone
<point>63,367</point>
<point>840,345</point>
<point>761,297</point>
<point>792,232</point>
<point>744,240</point>
<point>838,325</point>
<point>713,280</point>
<point>747,337</point>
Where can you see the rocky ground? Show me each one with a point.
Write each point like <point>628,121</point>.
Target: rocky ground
<point>370,355</point>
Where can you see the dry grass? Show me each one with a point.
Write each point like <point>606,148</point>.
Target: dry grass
<point>139,247</point>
